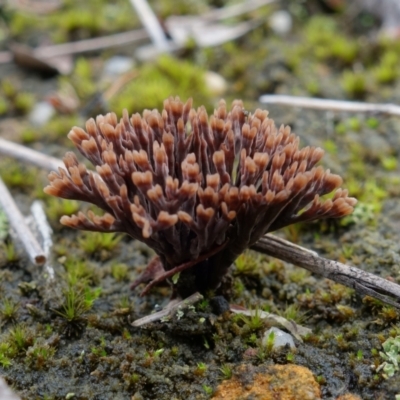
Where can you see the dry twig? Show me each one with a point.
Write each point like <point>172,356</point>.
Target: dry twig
<point>331,105</point>
<point>362,282</point>
<point>296,330</point>
<point>151,23</point>
<point>169,310</point>
<point>27,155</point>
<point>17,222</point>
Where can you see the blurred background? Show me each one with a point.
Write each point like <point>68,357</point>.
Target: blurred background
<point>63,61</point>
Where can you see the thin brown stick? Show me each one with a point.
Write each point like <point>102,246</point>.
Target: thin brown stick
<point>331,105</point>
<point>17,222</point>
<point>363,282</point>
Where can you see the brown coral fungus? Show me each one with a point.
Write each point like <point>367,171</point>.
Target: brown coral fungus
<point>198,190</point>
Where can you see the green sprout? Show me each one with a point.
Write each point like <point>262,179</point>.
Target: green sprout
<point>226,371</point>
<point>6,353</point>
<point>208,390</point>
<point>247,264</point>
<point>269,344</point>
<point>9,251</point>
<point>119,272</point>
<point>79,272</point>
<point>201,368</point>
<point>254,322</point>
<point>39,354</point>
<point>91,242</point>
<point>77,303</point>
<point>20,338</point>
<point>293,313</point>
<point>56,208</point>
<point>8,309</point>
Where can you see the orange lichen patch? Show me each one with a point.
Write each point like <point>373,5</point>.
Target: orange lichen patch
<point>275,382</point>
<point>349,396</point>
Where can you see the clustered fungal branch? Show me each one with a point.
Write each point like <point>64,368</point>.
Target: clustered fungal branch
<point>199,190</point>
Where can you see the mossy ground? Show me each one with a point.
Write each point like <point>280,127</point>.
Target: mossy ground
<point>75,336</point>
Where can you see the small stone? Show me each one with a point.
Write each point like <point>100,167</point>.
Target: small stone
<point>41,113</point>
<point>281,22</point>
<point>281,339</point>
<point>215,83</point>
<point>219,305</point>
<point>5,392</point>
<point>118,65</point>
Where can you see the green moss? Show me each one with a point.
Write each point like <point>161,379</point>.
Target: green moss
<point>166,77</point>
<point>293,313</point>
<point>20,338</point>
<point>24,102</point>
<point>247,263</point>
<point>80,272</point>
<point>372,122</point>
<point>56,208</point>
<point>91,242</point>
<point>226,371</point>
<point>253,322</point>
<point>38,355</point>
<point>389,163</point>
<point>29,135</point>
<point>354,84</point>
<point>8,309</point>
<point>78,300</point>
<point>58,127</point>
<point>82,79</point>
<point>330,146</point>
<point>18,176</point>
<point>325,41</point>
<point>5,355</point>
<point>9,252</point>
<point>386,71</point>
<point>354,124</point>
<point>75,20</point>
<point>13,99</point>
<point>119,272</point>
<point>3,105</point>
<point>201,369</point>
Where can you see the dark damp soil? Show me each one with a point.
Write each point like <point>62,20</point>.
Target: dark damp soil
<point>73,338</point>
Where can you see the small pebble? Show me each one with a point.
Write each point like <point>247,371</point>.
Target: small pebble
<point>118,65</point>
<point>216,83</point>
<point>281,339</point>
<point>219,305</point>
<point>281,22</point>
<point>41,113</point>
